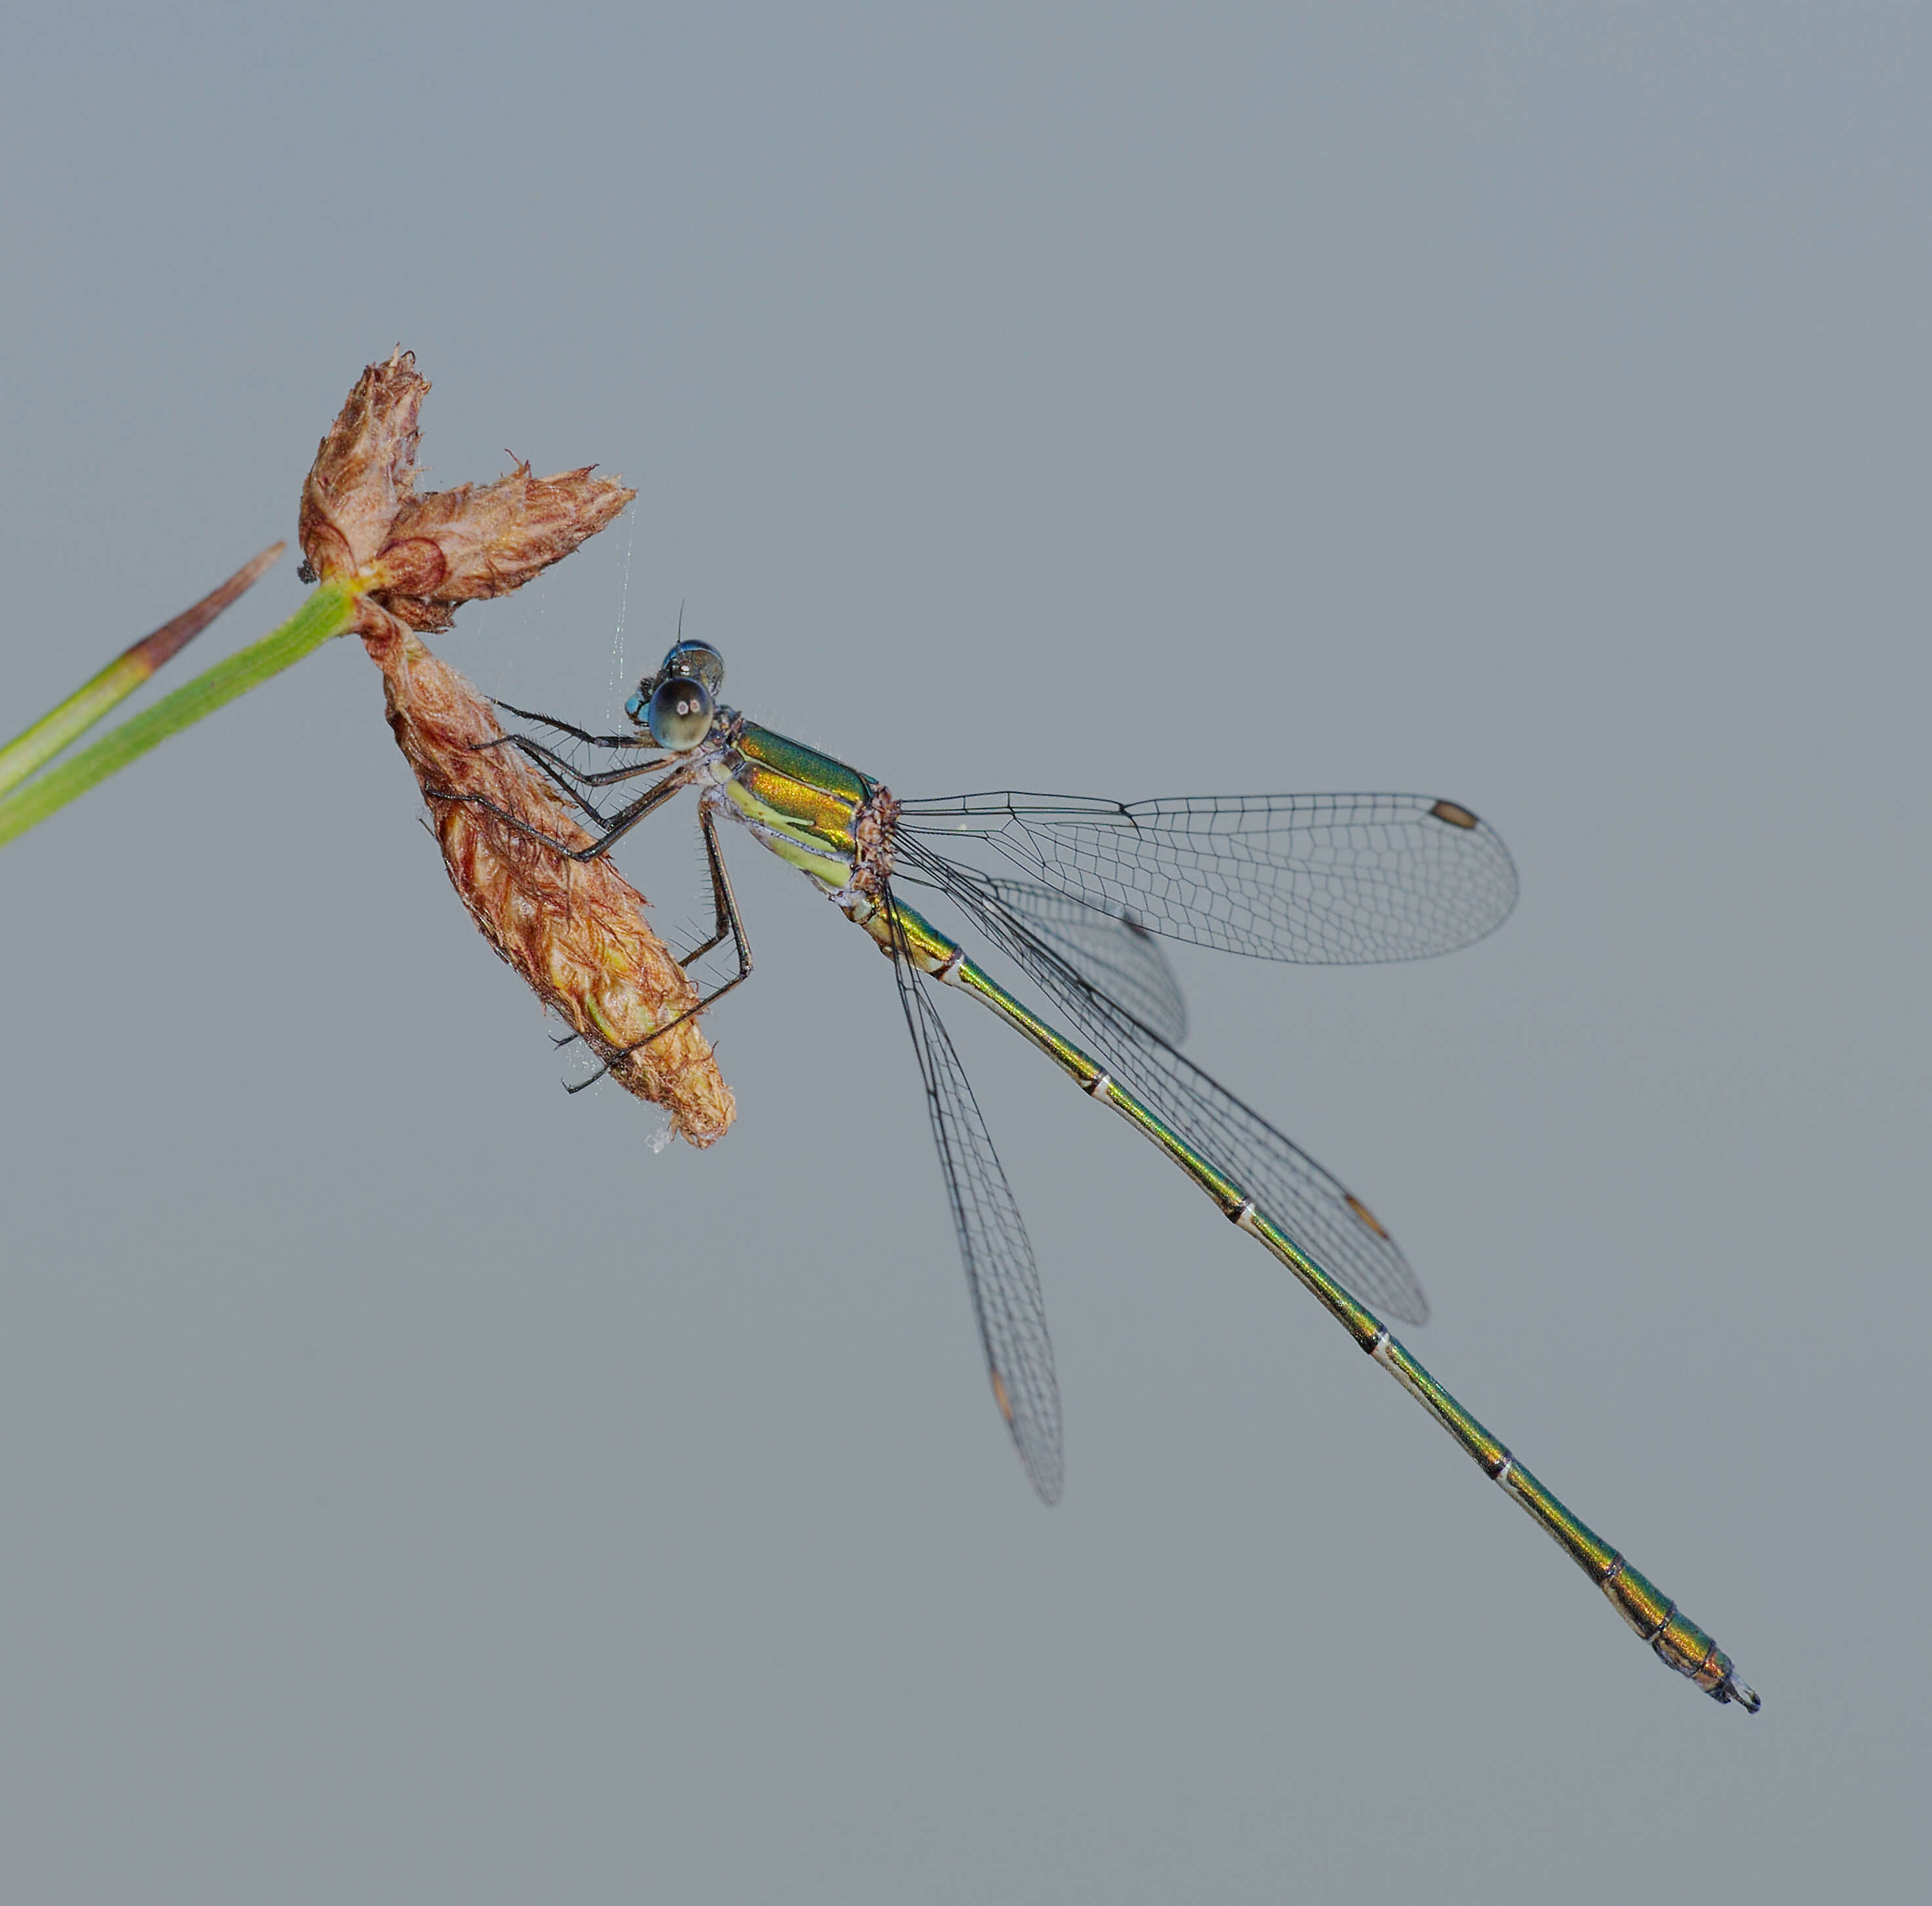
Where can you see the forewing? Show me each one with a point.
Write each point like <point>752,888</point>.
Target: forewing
<point>1334,1227</point>
<point>1000,1268</point>
<point>1320,878</point>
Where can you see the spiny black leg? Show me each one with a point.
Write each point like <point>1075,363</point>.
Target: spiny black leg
<point>726,903</point>
<point>549,773</point>
<point>559,777</point>
<point>570,783</point>
<point>731,924</point>
<point>723,900</point>
<point>549,756</point>
<point>545,757</point>
<point>721,894</point>
<point>616,828</point>
<point>522,826</point>
<point>581,734</point>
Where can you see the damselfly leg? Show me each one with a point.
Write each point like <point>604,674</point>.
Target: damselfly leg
<point>618,741</point>
<point>615,826</point>
<point>730,926</point>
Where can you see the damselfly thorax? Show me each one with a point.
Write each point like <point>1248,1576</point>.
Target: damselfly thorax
<point>829,821</point>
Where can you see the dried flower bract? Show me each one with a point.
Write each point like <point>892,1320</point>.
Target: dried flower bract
<point>575,930</point>
<point>363,472</point>
<point>463,544</point>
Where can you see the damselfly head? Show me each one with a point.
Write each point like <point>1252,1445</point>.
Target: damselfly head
<point>668,702</point>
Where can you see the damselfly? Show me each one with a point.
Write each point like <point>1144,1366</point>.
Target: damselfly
<point>1073,891</point>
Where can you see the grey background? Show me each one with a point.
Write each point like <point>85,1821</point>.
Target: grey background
<point>414,1488</point>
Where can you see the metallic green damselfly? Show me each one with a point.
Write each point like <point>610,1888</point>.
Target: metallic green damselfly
<point>1073,891</point>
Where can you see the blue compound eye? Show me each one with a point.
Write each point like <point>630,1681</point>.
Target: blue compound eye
<point>698,658</point>
<point>680,715</point>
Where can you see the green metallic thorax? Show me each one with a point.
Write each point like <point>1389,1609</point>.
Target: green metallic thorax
<point>801,804</point>
<point>804,806</point>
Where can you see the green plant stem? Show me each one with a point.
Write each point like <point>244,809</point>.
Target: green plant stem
<point>326,613</point>
<point>121,677</point>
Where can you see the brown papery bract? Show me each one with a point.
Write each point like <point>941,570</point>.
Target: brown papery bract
<point>461,545</point>
<point>574,929</point>
<point>365,470</point>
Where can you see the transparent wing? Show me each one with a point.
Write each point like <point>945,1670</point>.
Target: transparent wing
<point>1312,1205</point>
<point>1111,952</point>
<point>1320,878</point>
<point>1000,1268</point>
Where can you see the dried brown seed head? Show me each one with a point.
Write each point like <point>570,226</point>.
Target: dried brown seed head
<point>575,931</point>
<point>364,469</point>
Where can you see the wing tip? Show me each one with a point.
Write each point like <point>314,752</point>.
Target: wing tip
<point>1043,1466</point>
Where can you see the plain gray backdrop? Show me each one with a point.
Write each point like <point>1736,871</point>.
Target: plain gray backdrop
<point>414,1488</point>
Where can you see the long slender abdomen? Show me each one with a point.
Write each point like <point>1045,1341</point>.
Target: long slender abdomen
<point>1678,1642</point>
